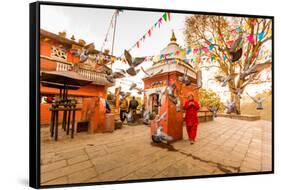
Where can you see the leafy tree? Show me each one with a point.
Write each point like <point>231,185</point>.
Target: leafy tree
<point>219,33</point>
<point>209,98</point>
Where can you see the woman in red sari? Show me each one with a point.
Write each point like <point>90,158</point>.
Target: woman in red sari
<point>191,106</point>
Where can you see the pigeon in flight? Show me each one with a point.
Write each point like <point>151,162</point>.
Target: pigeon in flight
<point>114,75</point>
<point>225,79</point>
<point>258,101</point>
<point>84,52</point>
<point>236,43</point>
<point>111,76</point>
<point>134,86</point>
<point>124,95</point>
<point>231,107</point>
<point>236,54</point>
<point>146,116</point>
<point>152,74</point>
<point>129,116</point>
<point>237,91</point>
<point>139,90</point>
<point>170,90</point>
<point>173,98</point>
<point>199,79</point>
<point>133,62</point>
<point>214,110</point>
<point>185,78</point>
<point>159,136</point>
<point>257,68</point>
<point>178,104</point>
<point>160,93</point>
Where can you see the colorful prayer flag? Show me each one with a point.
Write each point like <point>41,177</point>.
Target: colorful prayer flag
<point>195,50</point>
<point>159,22</point>
<point>250,38</point>
<point>260,36</point>
<point>165,17</point>
<point>188,50</point>
<point>149,32</point>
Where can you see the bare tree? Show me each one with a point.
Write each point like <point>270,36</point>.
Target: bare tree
<point>236,43</point>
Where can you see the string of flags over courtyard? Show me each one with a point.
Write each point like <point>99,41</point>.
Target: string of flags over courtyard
<point>199,53</point>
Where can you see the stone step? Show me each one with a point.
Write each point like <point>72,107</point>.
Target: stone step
<point>240,117</point>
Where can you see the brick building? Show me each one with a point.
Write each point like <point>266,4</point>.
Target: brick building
<point>56,55</point>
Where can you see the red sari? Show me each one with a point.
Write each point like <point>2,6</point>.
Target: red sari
<point>191,118</point>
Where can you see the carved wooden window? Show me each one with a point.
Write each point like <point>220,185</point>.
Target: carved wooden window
<point>58,53</point>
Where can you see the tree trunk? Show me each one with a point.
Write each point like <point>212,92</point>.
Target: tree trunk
<point>236,99</point>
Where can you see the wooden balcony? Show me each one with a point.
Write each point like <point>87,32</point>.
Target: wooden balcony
<point>97,77</point>
<point>51,64</point>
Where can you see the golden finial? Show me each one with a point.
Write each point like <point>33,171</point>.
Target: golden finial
<point>173,38</point>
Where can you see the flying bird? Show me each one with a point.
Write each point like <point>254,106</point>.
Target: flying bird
<point>84,52</point>
<point>129,116</point>
<point>124,95</point>
<point>237,91</point>
<point>170,90</point>
<point>236,54</point>
<point>151,74</point>
<point>225,79</point>
<point>258,101</point>
<point>121,71</point>
<point>231,107</point>
<point>160,93</point>
<point>185,78</point>
<point>146,116</point>
<point>83,56</point>
<point>133,62</point>
<point>257,68</point>
<point>178,104</point>
<point>133,85</point>
<point>199,79</point>
<point>236,43</point>
<point>173,98</point>
<point>139,90</point>
<point>159,136</point>
<point>111,76</point>
<point>114,75</point>
<point>214,109</point>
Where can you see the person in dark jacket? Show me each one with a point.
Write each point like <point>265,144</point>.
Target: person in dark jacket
<point>133,107</point>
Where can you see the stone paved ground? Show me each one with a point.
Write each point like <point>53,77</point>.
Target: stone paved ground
<point>223,146</point>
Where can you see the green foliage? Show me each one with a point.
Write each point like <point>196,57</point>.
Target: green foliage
<point>210,98</point>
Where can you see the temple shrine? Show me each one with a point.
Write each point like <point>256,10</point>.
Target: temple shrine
<point>172,68</point>
<point>56,55</point>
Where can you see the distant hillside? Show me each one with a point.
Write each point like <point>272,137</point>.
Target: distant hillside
<point>249,107</point>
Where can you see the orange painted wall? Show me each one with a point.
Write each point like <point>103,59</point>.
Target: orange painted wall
<point>174,120</point>
<point>89,90</point>
<point>45,114</point>
<point>91,106</point>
